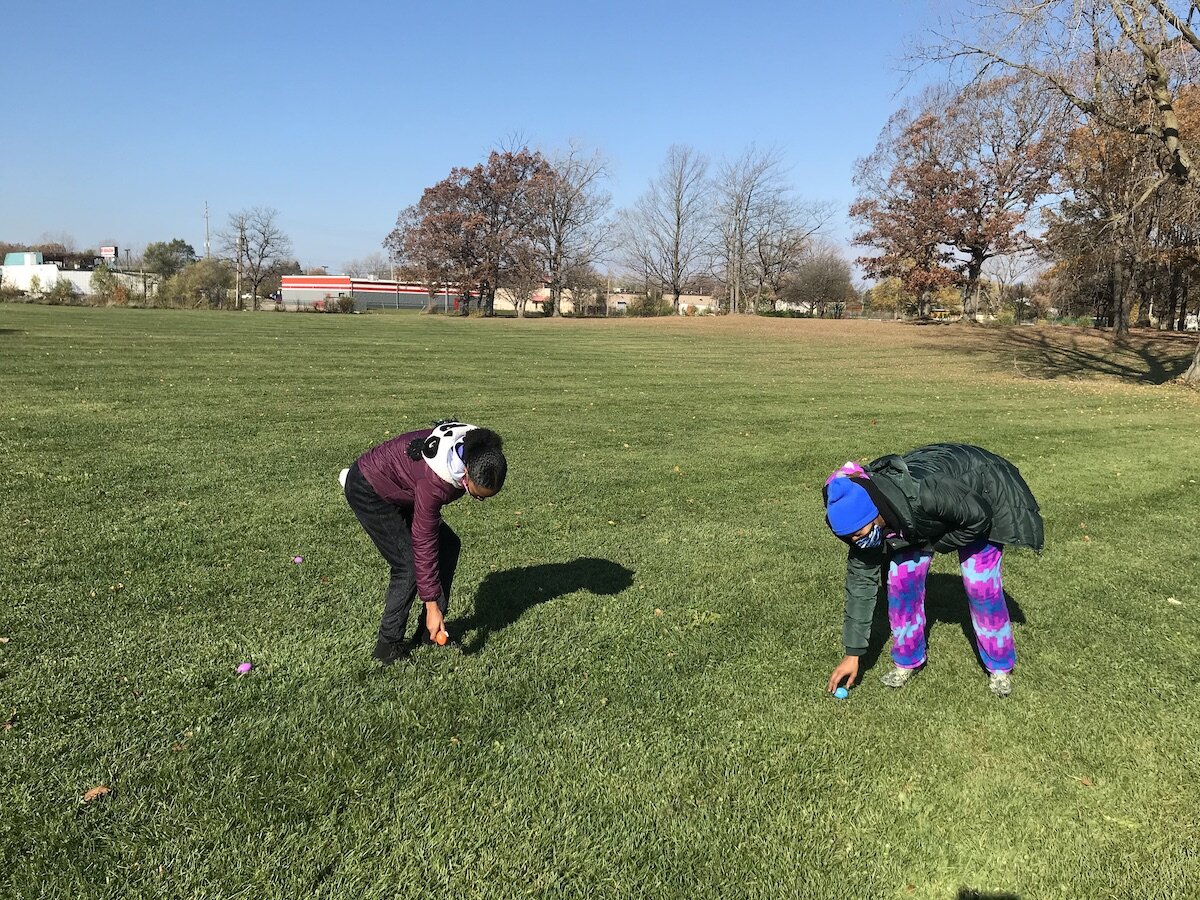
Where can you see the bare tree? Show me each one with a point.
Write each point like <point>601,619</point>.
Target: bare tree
<point>572,224</point>
<point>665,234</point>
<point>784,239</point>
<point>256,243</point>
<point>821,281</point>
<point>59,240</point>
<point>747,190</point>
<point>587,291</point>
<point>1009,271</point>
<point>1089,51</point>
<point>373,265</point>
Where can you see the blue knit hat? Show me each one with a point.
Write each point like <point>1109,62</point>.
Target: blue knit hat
<point>847,506</point>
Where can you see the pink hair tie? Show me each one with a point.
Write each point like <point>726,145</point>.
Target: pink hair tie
<point>846,470</point>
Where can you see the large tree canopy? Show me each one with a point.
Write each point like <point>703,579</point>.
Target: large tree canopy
<point>477,228</point>
<point>952,182</point>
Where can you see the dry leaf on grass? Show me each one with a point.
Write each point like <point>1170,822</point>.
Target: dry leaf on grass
<point>100,790</point>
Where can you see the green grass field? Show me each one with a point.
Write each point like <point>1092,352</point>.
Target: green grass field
<point>649,613</point>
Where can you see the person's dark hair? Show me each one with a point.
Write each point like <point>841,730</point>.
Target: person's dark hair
<point>483,452</point>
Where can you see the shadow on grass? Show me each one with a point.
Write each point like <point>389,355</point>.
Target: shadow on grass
<point>504,596</point>
<point>972,894</point>
<point>1146,356</point>
<point>945,603</point>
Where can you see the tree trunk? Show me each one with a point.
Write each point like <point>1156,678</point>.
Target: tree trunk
<point>1181,322</point>
<point>971,292</point>
<point>1121,299</point>
<point>1146,284</point>
<point>1167,319</point>
<point>1192,375</point>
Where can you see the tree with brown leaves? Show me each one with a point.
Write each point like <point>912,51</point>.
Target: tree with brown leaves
<point>476,229</point>
<point>571,217</point>
<point>256,243</point>
<point>953,181</point>
<point>905,199</point>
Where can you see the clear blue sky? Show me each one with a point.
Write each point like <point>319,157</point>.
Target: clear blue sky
<point>122,119</point>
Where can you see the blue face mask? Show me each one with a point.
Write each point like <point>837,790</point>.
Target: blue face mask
<point>871,539</point>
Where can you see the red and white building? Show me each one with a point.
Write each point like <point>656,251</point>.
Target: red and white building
<point>312,291</point>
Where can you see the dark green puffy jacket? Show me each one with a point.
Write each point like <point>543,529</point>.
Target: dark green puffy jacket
<point>941,497</point>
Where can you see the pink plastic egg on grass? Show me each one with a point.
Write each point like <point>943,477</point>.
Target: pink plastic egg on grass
<point>297,559</point>
<point>244,668</point>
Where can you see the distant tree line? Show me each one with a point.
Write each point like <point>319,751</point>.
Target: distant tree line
<point>255,254</point>
<point>523,220</point>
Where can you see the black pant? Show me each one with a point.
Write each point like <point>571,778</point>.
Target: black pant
<point>390,527</point>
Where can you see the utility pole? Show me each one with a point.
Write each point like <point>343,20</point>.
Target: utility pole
<point>206,250</point>
<point>237,302</point>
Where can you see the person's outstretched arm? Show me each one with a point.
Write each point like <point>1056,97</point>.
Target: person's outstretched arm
<point>863,574</point>
<point>427,521</point>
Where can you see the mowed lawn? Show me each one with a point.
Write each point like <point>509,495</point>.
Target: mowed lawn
<point>649,613</point>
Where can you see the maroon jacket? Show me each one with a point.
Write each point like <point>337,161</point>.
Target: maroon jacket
<point>417,489</point>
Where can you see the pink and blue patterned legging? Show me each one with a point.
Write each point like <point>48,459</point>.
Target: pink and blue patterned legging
<point>985,595</point>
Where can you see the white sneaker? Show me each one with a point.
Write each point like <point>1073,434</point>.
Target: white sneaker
<point>342,476</point>
<point>898,677</point>
<point>1000,683</point>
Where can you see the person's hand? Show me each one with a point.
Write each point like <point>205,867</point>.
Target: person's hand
<point>434,620</point>
<point>847,671</point>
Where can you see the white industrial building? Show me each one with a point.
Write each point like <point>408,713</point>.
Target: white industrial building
<point>21,269</point>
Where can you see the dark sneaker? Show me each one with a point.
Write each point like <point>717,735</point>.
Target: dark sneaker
<point>386,654</point>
